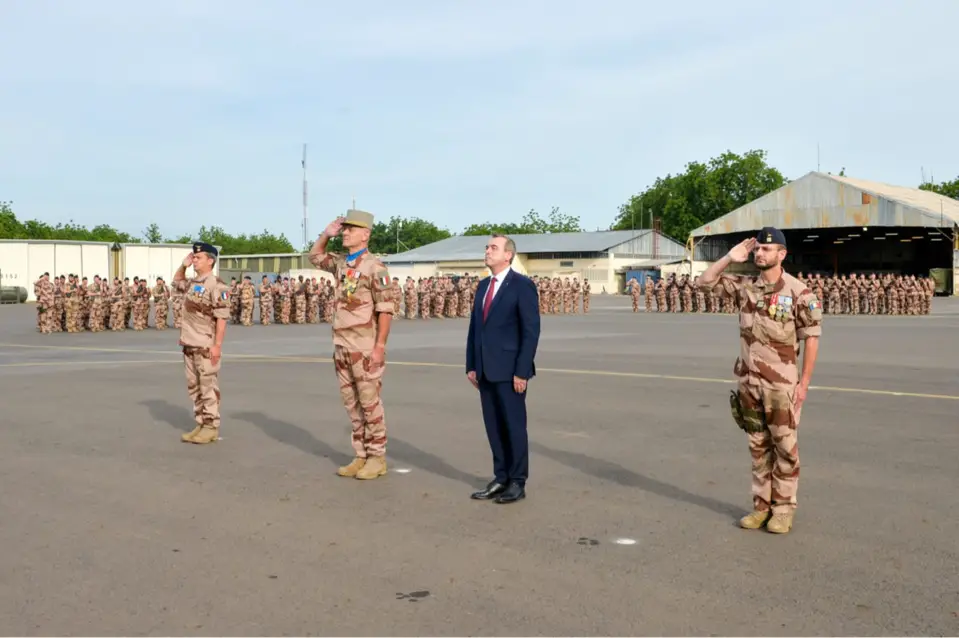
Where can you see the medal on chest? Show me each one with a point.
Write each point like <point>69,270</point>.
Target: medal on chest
<point>350,281</point>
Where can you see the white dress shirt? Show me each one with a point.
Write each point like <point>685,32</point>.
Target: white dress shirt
<point>499,284</point>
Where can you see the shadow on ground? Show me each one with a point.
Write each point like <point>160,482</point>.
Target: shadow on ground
<point>609,471</point>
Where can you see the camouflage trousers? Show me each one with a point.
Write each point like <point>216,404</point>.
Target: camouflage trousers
<point>774,449</point>
<point>266,303</point>
<point>203,386</point>
<point>246,313</point>
<point>360,387</point>
<point>160,315</point>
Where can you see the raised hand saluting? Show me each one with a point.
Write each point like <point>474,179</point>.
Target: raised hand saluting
<point>740,252</point>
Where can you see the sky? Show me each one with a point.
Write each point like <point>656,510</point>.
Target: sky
<point>195,112</point>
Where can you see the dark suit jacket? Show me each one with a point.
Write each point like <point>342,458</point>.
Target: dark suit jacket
<point>505,345</point>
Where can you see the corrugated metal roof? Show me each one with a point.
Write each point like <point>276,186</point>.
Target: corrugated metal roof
<point>471,247</point>
<point>820,200</point>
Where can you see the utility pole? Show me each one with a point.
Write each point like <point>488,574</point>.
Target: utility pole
<point>306,217</point>
<point>398,225</point>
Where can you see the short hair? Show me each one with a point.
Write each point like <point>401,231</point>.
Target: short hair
<point>509,246</point>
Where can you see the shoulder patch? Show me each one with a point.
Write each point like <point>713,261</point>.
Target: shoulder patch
<point>383,278</point>
<point>225,295</point>
<point>813,304</point>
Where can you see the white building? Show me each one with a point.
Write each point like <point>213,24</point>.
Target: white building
<point>603,257</point>
<point>23,261</point>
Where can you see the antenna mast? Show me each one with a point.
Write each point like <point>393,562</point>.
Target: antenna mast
<point>306,217</point>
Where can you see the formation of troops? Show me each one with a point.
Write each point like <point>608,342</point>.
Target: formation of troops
<point>854,294</point>
<point>452,297</point>
<point>72,304</point>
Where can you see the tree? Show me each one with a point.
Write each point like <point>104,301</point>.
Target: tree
<point>152,234</point>
<point>556,222</point>
<point>12,228</point>
<point>949,189</point>
<point>262,244</point>
<point>412,232</point>
<point>702,192</point>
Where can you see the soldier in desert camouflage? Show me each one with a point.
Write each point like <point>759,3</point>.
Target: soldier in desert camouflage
<point>141,305</point>
<point>777,311</point>
<point>71,304</point>
<point>206,311</point>
<point>397,296</point>
<point>246,295</point>
<point>361,325</point>
<point>586,292</point>
<point>632,287</point>
<point>44,291</point>
<point>299,298</point>
<point>266,301</point>
<point>410,293</point>
<point>161,304</point>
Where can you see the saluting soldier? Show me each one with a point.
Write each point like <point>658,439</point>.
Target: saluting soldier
<point>206,311</point>
<point>777,311</point>
<point>362,318</point>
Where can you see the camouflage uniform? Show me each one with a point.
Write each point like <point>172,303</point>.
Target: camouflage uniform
<point>246,302</point>
<point>161,299</point>
<point>773,319</point>
<point>266,302</point>
<point>633,286</point>
<point>206,299</point>
<point>363,292</point>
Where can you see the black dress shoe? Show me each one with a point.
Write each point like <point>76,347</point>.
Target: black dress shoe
<point>491,490</point>
<point>514,492</point>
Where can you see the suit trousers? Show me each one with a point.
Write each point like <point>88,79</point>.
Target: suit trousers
<point>504,413</point>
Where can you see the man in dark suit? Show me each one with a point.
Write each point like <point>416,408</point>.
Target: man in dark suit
<point>500,348</point>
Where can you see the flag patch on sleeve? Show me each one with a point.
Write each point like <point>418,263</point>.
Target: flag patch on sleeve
<point>383,278</point>
<point>224,295</point>
<point>813,305</point>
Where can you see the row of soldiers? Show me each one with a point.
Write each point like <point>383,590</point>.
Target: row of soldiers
<point>873,294</point>
<point>853,294</point>
<point>451,297</point>
<point>678,294</point>
<point>69,303</point>
<point>284,301</point>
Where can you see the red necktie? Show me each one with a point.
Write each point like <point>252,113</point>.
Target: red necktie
<point>489,297</point>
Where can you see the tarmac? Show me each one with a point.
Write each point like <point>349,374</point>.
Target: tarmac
<point>112,526</point>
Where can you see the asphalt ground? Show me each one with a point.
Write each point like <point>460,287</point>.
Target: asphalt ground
<point>111,526</point>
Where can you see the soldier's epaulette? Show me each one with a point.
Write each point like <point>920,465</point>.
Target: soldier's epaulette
<point>220,281</point>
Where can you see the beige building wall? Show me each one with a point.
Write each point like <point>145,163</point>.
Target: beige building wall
<point>601,272</point>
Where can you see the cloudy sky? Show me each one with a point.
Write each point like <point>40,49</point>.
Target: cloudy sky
<point>194,112</point>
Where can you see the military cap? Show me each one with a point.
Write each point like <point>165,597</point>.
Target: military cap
<point>203,247</point>
<point>770,235</point>
<point>358,218</point>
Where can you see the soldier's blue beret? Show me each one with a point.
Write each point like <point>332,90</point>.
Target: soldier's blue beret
<point>770,235</point>
<point>203,247</point>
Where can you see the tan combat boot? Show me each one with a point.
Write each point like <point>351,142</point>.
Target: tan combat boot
<point>755,519</point>
<point>188,436</point>
<point>375,466</point>
<point>350,470</point>
<point>206,435</point>
<point>781,523</point>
